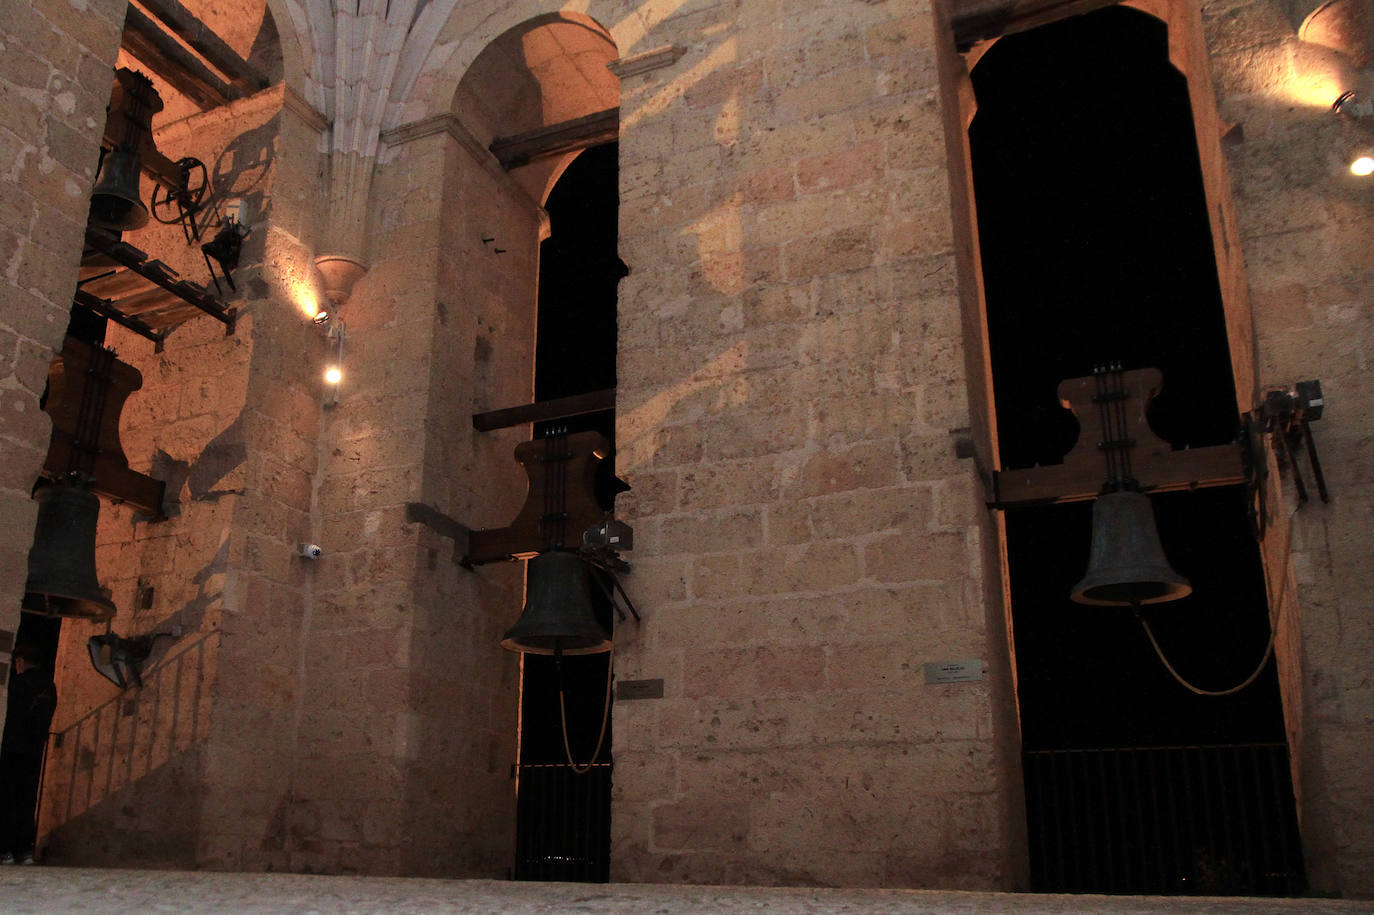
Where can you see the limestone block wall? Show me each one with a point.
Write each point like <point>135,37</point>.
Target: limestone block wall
<point>791,389</point>
<point>54,84</point>
<point>408,694</point>
<point>1305,222</point>
<point>189,770</point>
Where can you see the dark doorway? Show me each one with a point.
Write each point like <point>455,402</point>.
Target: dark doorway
<point>563,815</point>
<point>1096,248</point>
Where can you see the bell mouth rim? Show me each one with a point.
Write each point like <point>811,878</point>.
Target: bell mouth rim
<point>517,645</point>
<point>1172,591</point>
<point>66,606</point>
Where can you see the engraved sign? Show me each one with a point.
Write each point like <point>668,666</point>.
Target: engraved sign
<point>954,671</point>
<point>639,689</point>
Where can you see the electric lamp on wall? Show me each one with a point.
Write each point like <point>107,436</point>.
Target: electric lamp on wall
<point>338,275</point>
<point>1359,152</point>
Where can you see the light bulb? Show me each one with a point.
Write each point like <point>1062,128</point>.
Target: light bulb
<point>333,374</point>
<point>1362,166</point>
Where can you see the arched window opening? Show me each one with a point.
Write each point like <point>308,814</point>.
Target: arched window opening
<point>563,818</point>
<point>1096,248</point>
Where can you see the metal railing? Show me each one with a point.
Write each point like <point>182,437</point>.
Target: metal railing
<point>563,824</point>
<point>130,735</point>
<point>1199,820</point>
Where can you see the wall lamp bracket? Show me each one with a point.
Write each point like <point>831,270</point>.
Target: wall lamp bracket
<point>121,660</point>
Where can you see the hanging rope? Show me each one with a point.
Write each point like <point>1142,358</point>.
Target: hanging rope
<point>563,712</point>
<point>1268,650</point>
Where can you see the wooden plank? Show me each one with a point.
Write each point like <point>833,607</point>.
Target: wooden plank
<point>145,40</point>
<point>186,26</point>
<point>162,275</point>
<point>980,20</point>
<point>1195,468</point>
<point>556,139</point>
<point>107,310</point>
<point>544,410</point>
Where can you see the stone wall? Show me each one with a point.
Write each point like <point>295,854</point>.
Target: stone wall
<point>54,85</point>
<point>191,769</point>
<point>800,391</point>
<point>791,391</point>
<point>1304,227</point>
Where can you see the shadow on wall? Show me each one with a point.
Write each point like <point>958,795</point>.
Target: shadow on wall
<point>118,779</point>
<point>220,457</point>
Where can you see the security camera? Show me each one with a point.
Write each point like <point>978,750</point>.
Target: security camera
<point>309,550</point>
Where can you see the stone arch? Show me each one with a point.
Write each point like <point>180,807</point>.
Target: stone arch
<point>547,70</point>
<point>429,73</point>
<point>295,46</point>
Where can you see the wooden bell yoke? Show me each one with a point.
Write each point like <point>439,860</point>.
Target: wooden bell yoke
<point>561,511</point>
<point>1111,405</point>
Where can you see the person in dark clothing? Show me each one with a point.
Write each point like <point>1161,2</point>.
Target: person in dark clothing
<point>32,701</point>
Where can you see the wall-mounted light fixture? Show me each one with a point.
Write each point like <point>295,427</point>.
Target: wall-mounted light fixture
<point>1359,141</point>
<point>333,370</point>
<point>121,660</point>
<point>224,249</point>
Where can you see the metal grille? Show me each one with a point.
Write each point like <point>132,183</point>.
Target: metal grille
<point>563,825</point>
<point>1203,820</point>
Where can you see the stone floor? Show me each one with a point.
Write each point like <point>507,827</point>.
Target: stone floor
<point>59,889</point>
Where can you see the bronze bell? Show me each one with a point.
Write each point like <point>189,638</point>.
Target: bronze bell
<point>115,204</point>
<point>62,579</point>
<point>558,611</point>
<point>1127,565</point>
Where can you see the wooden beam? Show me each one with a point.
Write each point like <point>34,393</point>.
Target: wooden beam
<point>186,26</point>
<point>556,139</point>
<point>145,40</point>
<point>1195,468</point>
<point>979,20</point>
<point>1115,439</point>
<point>558,408</point>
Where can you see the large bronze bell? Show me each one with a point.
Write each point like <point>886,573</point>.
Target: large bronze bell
<point>1127,565</point>
<point>62,579</point>
<point>558,613</point>
<point>115,204</point>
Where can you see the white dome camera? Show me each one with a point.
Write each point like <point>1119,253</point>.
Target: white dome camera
<point>309,550</point>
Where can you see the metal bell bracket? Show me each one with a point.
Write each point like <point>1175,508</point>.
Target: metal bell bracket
<point>1286,414</point>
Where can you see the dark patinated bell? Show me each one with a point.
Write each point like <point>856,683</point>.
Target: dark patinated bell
<point>115,204</point>
<point>558,611</point>
<point>62,580</point>
<point>1127,564</point>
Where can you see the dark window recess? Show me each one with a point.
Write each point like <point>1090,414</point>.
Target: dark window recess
<point>563,818</point>
<point>1096,247</point>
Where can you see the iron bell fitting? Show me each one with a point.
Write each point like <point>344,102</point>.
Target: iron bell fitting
<point>62,579</point>
<point>1127,565</point>
<point>558,613</point>
<point>115,204</point>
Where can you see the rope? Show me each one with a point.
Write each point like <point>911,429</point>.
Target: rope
<point>605,714</point>
<point>1268,650</point>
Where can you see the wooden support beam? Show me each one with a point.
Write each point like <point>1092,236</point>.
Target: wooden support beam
<point>199,36</point>
<point>558,408</point>
<point>145,40</point>
<point>1115,440</point>
<point>107,309</point>
<point>1196,468</point>
<point>556,139</point>
<point>979,20</point>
